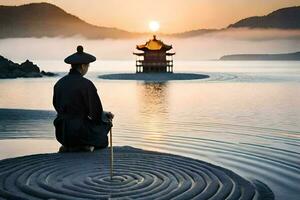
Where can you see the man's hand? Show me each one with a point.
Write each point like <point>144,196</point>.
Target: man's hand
<point>110,115</point>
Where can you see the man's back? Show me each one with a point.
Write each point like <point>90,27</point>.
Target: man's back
<point>79,109</point>
<point>76,95</point>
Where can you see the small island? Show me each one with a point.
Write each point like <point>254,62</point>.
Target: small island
<point>288,56</point>
<point>27,69</point>
<point>154,64</point>
<point>154,77</point>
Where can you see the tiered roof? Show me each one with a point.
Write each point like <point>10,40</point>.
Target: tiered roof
<point>154,45</point>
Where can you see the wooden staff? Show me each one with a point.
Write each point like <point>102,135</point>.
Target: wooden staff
<point>111,155</point>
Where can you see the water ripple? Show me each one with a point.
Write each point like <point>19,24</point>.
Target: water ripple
<point>267,154</point>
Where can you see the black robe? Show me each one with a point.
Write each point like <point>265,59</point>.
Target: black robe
<point>79,110</point>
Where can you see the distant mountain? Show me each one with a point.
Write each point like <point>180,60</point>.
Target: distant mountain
<point>285,18</point>
<point>47,20</point>
<point>192,33</point>
<point>287,56</point>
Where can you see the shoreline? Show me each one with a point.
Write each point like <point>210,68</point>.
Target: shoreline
<point>17,147</point>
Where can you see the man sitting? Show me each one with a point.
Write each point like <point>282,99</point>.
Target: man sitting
<point>79,125</point>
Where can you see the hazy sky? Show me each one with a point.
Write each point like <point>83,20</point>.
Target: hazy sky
<point>173,15</point>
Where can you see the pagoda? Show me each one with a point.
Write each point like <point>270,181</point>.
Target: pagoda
<point>155,57</point>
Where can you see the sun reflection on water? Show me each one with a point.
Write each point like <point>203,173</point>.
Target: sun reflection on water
<point>153,109</point>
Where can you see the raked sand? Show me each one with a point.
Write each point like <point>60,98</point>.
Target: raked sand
<point>138,174</point>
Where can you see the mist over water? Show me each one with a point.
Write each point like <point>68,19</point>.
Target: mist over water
<point>203,47</point>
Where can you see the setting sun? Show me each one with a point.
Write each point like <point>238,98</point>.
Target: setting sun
<point>154,26</point>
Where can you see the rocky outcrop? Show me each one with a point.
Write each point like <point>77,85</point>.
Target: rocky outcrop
<point>27,69</point>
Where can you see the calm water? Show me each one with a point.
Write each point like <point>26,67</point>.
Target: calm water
<point>246,117</point>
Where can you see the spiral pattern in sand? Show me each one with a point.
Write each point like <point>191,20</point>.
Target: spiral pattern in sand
<point>138,174</point>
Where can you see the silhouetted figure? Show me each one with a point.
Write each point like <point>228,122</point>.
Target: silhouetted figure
<point>79,124</point>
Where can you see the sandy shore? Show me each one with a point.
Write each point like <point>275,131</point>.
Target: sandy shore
<point>138,174</point>
<point>157,77</point>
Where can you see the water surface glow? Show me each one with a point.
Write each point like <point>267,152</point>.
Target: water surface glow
<point>244,118</point>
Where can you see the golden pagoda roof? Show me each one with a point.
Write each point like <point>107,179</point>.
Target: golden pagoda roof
<point>153,45</point>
